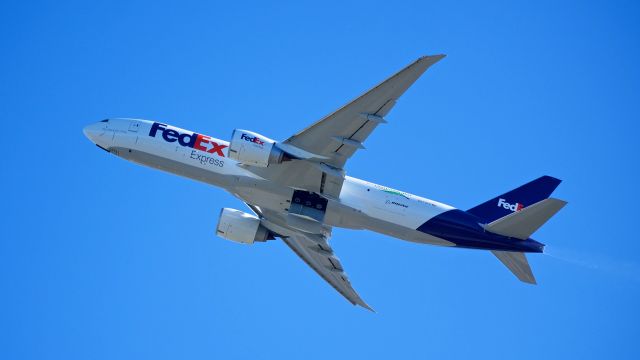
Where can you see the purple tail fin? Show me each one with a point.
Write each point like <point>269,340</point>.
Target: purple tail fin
<point>516,199</point>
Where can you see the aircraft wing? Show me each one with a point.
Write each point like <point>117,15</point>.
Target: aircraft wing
<point>337,136</point>
<point>321,258</point>
<point>328,143</point>
<point>313,249</point>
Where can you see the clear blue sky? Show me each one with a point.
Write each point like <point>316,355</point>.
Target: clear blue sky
<point>103,259</point>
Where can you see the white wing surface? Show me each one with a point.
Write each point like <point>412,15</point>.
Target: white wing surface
<point>326,145</point>
<point>313,249</point>
<point>338,135</point>
<point>317,253</point>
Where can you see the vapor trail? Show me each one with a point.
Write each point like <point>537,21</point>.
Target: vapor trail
<point>603,263</point>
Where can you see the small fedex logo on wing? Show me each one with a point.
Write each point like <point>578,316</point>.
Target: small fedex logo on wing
<point>253,139</point>
<point>512,207</point>
<point>191,140</point>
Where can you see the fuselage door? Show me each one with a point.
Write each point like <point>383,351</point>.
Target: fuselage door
<point>134,126</point>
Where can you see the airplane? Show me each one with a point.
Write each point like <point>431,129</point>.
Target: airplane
<point>297,189</point>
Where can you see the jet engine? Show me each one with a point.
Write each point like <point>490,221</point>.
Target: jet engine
<point>254,149</point>
<point>241,227</point>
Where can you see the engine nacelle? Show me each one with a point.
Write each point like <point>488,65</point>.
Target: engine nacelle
<point>254,149</point>
<point>241,227</point>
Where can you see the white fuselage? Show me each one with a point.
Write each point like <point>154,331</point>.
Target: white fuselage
<point>361,204</point>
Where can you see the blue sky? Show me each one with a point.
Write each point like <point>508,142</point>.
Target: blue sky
<point>103,259</point>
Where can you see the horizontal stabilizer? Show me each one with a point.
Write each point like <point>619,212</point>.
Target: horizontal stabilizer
<point>521,224</point>
<point>518,264</point>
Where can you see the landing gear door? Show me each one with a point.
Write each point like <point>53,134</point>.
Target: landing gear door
<point>308,204</point>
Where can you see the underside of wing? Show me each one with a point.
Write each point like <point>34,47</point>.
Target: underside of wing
<point>338,135</point>
<point>313,249</point>
<point>321,150</point>
<point>306,175</point>
<point>320,257</point>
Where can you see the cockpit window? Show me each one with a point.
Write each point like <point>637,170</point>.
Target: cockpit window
<point>105,120</point>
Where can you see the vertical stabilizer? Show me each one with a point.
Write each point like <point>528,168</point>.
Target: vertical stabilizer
<point>516,199</point>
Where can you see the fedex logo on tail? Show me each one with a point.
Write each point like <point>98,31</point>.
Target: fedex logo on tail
<point>193,140</point>
<point>512,207</point>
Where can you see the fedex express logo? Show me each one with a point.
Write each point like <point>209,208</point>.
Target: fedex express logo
<point>193,140</point>
<point>253,139</point>
<point>512,207</point>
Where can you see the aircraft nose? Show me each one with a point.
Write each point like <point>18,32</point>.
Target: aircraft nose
<point>96,133</point>
<point>88,132</point>
<point>93,131</point>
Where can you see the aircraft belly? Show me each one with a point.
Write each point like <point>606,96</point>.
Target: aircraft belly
<point>175,167</point>
<point>262,193</point>
<point>341,215</point>
<point>247,187</point>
